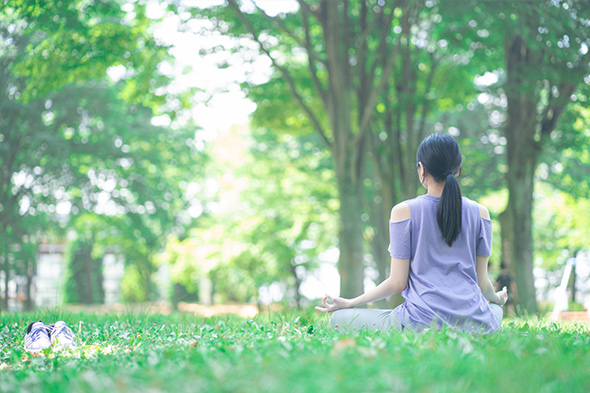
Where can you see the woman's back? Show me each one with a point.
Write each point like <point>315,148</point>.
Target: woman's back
<point>442,286</point>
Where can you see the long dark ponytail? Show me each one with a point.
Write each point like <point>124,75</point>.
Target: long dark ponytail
<point>441,157</point>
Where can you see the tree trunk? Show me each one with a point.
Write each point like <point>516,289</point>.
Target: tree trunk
<point>87,279</point>
<point>87,289</point>
<point>28,305</point>
<point>573,280</point>
<point>350,261</point>
<point>29,272</point>
<point>526,125</point>
<point>395,181</point>
<point>522,162</point>
<point>520,204</point>
<point>343,82</point>
<point>6,279</point>
<point>507,234</point>
<point>298,283</point>
<point>523,149</point>
<point>380,240</point>
<point>379,208</point>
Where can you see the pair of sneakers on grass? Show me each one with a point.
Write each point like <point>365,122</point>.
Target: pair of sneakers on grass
<point>40,336</point>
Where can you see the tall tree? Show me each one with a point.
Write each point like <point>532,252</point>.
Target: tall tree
<point>364,66</point>
<point>544,46</point>
<point>346,79</point>
<point>541,79</point>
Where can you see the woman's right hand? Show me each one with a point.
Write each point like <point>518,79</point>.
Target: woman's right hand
<point>337,303</point>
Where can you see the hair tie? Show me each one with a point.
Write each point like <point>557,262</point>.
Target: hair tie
<point>448,173</point>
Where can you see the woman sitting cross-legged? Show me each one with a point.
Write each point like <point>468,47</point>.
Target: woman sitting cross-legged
<point>440,246</point>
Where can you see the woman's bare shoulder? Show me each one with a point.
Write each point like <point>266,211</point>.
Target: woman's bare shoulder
<point>400,212</point>
<point>483,211</point>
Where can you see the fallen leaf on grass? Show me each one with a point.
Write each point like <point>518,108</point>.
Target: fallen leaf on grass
<point>343,344</point>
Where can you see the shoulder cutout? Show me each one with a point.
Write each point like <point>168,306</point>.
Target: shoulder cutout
<point>400,212</point>
<point>483,212</point>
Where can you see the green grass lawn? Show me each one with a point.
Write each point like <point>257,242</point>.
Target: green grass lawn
<point>277,353</point>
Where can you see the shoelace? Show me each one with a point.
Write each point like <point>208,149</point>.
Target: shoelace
<point>35,334</point>
<point>63,331</point>
<point>50,329</point>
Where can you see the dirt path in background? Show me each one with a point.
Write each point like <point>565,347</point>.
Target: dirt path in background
<point>243,310</point>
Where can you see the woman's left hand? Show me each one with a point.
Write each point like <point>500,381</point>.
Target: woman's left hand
<point>337,303</point>
<point>502,296</point>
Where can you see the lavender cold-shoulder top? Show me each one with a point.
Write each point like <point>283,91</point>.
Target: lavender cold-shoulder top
<point>442,286</point>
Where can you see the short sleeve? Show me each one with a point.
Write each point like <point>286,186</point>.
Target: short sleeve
<point>400,239</point>
<point>484,240</point>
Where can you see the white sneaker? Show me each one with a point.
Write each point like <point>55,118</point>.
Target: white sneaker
<point>37,337</point>
<point>62,336</point>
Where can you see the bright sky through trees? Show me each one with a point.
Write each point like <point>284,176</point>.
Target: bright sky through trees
<point>220,103</point>
<point>226,103</point>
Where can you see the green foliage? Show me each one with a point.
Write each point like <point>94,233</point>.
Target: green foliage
<point>561,226</point>
<point>566,161</point>
<point>124,178</point>
<point>186,257</point>
<point>60,43</point>
<point>291,205</point>
<point>74,142</point>
<point>133,286</point>
<point>277,109</point>
<point>278,221</point>
<point>286,352</point>
<point>483,149</point>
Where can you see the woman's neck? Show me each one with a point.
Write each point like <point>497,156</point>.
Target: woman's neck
<point>435,189</point>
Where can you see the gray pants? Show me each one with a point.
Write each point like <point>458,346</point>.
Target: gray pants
<point>371,319</point>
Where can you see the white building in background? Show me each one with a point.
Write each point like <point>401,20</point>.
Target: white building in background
<point>163,281</point>
<point>16,293</point>
<point>113,269</point>
<point>49,279</point>
<point>547,282</point>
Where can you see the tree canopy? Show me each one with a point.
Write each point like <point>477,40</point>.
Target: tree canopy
<point>75,143</point>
